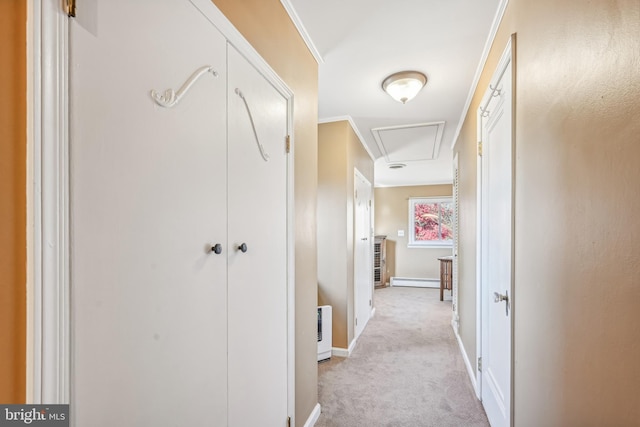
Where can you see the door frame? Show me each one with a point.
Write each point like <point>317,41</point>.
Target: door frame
<point>48,331</point>
<point>356,176</point>
<point>507,59</point>
<point>455,315</point>
<point>48,287</point>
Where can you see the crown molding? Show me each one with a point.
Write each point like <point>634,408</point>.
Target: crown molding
<point>497,19</point>
<point>302,30</point>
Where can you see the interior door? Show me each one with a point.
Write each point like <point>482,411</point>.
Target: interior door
<point>362,261</point>
<point>497,248</point>
<point>147,193</point>
<point>258,285</point>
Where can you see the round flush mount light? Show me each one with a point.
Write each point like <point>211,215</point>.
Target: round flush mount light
<point>397,165</point>
<point>405,85</point>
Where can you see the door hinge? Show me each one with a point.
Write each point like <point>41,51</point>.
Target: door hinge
<point>288,142</point>
<point>479,148</point>
<point>369,303</point>
<point>288,421</point>
<point>479,364</point>
<point>356,321</point>
<point>70,6</point>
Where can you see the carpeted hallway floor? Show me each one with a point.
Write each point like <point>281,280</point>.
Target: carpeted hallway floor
<point>406,369</point>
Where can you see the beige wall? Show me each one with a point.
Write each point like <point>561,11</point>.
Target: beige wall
<point>339,152</point>
<point>266,25</point>
<point>13,227</point>
<point>577,293</point>
<point>332,226</point>
<point>391,215</point>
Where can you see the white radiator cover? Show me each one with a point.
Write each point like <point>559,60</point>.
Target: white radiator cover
<point>325,334</point>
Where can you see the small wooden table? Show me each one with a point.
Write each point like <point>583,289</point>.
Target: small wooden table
<point>446,275</point>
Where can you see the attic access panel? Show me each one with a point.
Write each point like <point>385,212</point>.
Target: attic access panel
<point>407,143</point>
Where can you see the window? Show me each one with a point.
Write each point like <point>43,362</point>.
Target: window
<point>430,222</point>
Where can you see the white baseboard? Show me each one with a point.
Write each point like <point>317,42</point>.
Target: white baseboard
<point>467,363</point>
<point>313,417</point>
<point>455,323</point>
<point>341,352</point>
<point>415,282</point>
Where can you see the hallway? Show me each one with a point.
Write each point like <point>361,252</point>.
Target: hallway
<point>406,369</point>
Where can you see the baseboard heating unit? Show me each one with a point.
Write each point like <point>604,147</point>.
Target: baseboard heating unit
<point>324,332</point>
<point>415,282</point>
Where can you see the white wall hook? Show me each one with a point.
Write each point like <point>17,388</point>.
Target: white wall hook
<point>263,153</point>
<point>495,91</point>
<point>170,97</point>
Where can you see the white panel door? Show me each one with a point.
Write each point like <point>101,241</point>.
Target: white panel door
<point>497,249</point>
<point>148,187</point>
<point>362,261</point>
<point>258,285</point>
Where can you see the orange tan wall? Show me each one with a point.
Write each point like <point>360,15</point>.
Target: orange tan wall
<point>577,233</point>
<point>392,214</point>
<point>13,149</point>
<point>267,26</point>
<point>339,152</point>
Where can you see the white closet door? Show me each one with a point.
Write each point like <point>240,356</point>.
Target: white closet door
<point>258,277</point>
<point>148,195</point>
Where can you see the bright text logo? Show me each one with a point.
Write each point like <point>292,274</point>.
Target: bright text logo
<point>36,415</point>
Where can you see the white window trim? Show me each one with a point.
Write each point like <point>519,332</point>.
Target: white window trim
<point>411,238</point>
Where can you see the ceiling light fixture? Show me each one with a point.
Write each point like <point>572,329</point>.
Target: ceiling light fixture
<point>405,85</point>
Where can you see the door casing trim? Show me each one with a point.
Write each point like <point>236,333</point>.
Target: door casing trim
<point>48,333</point>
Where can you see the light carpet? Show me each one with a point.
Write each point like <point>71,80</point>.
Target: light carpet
<point>405,371</point>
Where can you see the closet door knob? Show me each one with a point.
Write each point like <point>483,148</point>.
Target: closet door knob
<point>242,247</point>
<point>217,248</point>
